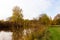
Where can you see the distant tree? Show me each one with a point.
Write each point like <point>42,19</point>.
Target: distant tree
<point>26,23</point>
<point>56,20</point>
<point>50,20</point>
<point>44,19</point>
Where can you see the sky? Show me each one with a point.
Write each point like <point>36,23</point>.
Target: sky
<point>31,8</point>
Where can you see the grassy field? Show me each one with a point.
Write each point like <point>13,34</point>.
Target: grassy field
<point>54,33</point>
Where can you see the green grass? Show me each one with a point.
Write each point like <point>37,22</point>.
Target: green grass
<point>54,33</point>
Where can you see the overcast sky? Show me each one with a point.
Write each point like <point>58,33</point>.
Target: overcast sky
<point>31,8</point>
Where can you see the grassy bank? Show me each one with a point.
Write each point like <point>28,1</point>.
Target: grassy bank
<point>54,33</point>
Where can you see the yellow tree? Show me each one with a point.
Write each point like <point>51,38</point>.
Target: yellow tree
<point>17,14</point>
<point>17,18</point>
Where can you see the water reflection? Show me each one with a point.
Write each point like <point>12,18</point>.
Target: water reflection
<point>5,35</point>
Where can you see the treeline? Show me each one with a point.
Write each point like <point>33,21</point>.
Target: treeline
<point>43,19</point>
<point>25,29</point>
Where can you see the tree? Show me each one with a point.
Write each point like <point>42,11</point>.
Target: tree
<point>17,14</point>
<point>44,19</point>
<point>17,19</point>
<point>56,19</point>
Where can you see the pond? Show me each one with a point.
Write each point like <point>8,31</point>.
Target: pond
<point>5,35</point>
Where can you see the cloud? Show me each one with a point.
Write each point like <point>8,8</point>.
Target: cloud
<point>57,9</point>
<point>33,8</point>
<point>44,4</point>
<point>57,6</point>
